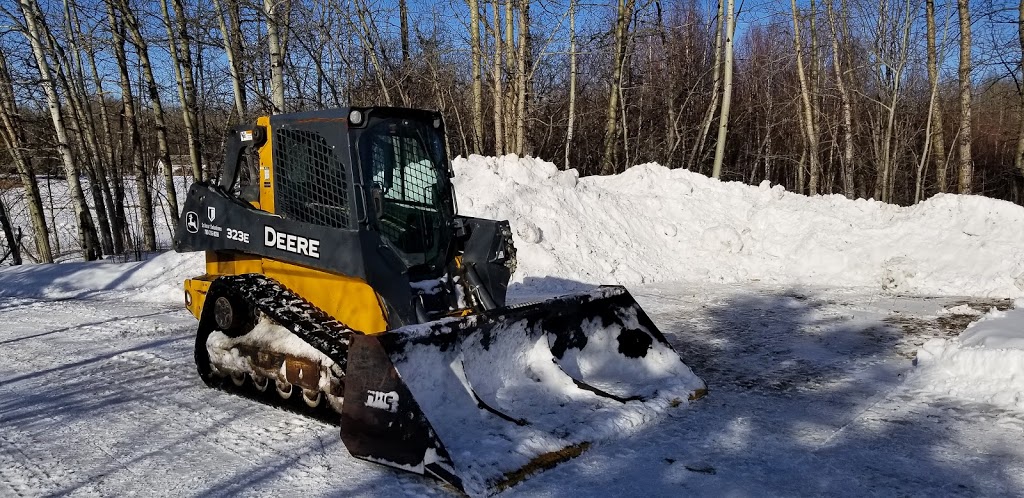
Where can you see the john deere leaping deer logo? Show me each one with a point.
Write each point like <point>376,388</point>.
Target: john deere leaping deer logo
<point>192,222</point>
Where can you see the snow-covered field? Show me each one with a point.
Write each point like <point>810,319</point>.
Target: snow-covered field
<point>830,332</point>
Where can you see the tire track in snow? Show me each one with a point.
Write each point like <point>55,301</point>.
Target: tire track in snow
<point>252,432</point>
<point>17,474</point>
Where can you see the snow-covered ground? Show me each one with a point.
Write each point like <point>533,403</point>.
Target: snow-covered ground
<point>830,332</point>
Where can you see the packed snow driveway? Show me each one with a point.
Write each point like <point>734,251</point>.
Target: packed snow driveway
<point>98,397</point>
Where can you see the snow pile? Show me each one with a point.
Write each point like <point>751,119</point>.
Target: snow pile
<point>652,224</point>
<point>156,280</point>
<point>984,364</point>
<point>552,387</point>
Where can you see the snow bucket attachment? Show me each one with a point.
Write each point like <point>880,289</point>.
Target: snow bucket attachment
<point>484,401</point>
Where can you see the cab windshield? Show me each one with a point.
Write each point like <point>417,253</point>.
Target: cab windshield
<point>407,161</point>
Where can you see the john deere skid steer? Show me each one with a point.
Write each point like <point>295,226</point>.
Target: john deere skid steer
<point>341,280</point>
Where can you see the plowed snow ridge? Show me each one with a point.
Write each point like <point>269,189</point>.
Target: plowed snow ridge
<point>651,224</point>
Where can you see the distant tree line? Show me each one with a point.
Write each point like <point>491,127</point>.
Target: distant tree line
<point>888,99</point>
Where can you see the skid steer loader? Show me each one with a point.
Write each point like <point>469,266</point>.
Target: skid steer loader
<point>341,279</point>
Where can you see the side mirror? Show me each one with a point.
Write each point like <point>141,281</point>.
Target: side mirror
<point>377,194</point>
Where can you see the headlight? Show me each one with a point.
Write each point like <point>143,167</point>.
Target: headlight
<point>355,117</point>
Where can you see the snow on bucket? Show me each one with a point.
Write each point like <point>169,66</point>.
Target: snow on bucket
<point>482,402</point>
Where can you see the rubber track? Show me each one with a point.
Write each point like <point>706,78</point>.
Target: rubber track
<point>311,324</point>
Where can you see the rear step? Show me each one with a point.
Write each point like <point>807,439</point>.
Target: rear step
<point>484,401</point>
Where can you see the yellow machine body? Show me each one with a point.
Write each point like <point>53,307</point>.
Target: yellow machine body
<point>350,300</point>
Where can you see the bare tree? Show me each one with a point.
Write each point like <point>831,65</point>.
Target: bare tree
<point>230,43</point>
<point>403,13</point>
<point>12,136</point>
<point>36,30</point>
<point>723,118</point>
<point>572,80</point>
<point>181,60</point>
<point>496,80</point>
<point>276,49</point>
<point>522,75</point>
<point>478,99</point>
<point>937,137</point>
<point>964,73</point>
<point>808,116</point>
<point>142,49</point>
<point>891,50</point>
<point>716,82</point>
<point>112,194</point>
<point>623,18</point>
<point>117,29</point>
<point>81,120</point>
<point>838,61</point>
<point>1018,160</point>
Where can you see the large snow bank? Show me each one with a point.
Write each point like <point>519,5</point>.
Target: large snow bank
<point>984,364</point>
<point>157,279</point>
<point>652,224</point>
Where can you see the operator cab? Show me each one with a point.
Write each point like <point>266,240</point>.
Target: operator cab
<point>405,169</point>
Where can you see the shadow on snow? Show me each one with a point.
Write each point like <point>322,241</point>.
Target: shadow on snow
<point>792,378</point>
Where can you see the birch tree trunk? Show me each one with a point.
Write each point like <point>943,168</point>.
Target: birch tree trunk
<point>238,48</point>
<point>115,211</point>
<point>716,82</point>
<point>846,159</point>
<point>723,118</point>
<point>964,72</point>
<point>809,122</point>
<point>509,101</point>
<point>474,41</point>
<point>496,76</point>
<point>233,65</point>
<point>403,13</point>
<point>142,182</point>
<point>366,39</point>
<point>1019,158</point>
<point>180,46</point>
<point>86,230</point>
<point>181,59</point>
<point>572,80</point>
<point>814,180</point>
<point>163,151</point>
<point>84,121</point>
<point>938,139</point>
<point>669,93</point>
<point>623,19</point>
<point>276,58</point>
<point>13,138</point>
<point>522,75</point>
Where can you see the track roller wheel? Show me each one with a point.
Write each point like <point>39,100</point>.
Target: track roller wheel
<point>312,398</point>
<point>238,378</point>
<point>284,389</point>
<point>260,382</point>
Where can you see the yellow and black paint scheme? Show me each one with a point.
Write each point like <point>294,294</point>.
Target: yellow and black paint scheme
<point>320,202</point>
<point>350,300</point>
<point>351,212</point>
